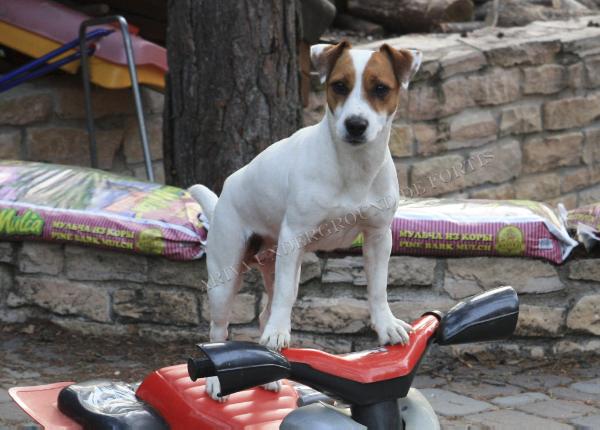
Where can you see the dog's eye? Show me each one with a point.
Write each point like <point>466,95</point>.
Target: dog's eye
<point>381,90</point>
<point>340,88</point>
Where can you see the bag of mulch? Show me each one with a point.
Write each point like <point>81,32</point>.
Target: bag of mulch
<point>460,228</point>
<point>585,223</point>
<point>90,207</point>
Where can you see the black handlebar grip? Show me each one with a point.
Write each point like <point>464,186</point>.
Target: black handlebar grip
<point>200,368</point>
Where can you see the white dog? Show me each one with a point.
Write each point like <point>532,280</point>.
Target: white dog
<point>316,190</point>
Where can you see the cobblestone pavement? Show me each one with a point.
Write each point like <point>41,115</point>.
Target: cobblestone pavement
<point>544,395</point>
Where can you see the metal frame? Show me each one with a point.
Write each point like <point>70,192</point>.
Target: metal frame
<point>85,74</point>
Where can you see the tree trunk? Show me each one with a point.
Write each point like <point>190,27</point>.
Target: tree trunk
<point>232,86</point>
<point>408,16</point>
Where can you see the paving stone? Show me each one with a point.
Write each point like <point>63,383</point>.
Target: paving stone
<point>558,409</point>
<point>591,387</point>
<point>519,399</point>
<point>571,394</point>
<point>538,381</point>
<point>4,397</point>
<point>510,420</point>
<point>591,422</point>
<point>427,381</point>
<point>482,390</point>
<point>447,403</point>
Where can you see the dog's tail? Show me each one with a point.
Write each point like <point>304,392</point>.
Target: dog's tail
<point>206,198</point>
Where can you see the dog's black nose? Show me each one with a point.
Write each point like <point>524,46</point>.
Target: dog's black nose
<point>356,126</point>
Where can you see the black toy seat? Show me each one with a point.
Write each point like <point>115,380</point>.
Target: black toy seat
<point>107,404</point>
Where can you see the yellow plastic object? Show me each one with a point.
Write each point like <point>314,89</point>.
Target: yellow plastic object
<point>103,73</point>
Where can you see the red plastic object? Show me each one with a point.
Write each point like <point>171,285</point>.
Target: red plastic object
<point>386,362</point>
<point>40,404</point>
<point>184,404</point>
<point>61,24</point>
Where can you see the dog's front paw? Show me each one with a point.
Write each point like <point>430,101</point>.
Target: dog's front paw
<point>275,338</point>
<point>213,388</point>
<point>392,331</point>
<point>273,386</point>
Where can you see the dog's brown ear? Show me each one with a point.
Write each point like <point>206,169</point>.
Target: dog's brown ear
<point>324,56</point>
<point>406,62</point>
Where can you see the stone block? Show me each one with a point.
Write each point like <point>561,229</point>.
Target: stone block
<point>439,175</point>
<point>576,76</point>
<point>457,61</point>
<point>159,306</point>
<point>7,252</point>
<point>499,192</point>
<point>66,145</point>
<point>409,308</point>
<point>589,196</point>
<point>574,179</point>
<point>540,320</point>
<point>458,93</point>
<point>91,264</point>
<point>497,87</point>
<point>105,102</point>
<point>402,173</point>
<point>423,103</point>
<point>591,153</point>
<point>522,118</point>
<point>538,187</point>
<point>331,344</point>
<point>568,200</point>
<point>25,108</point>
<point>64,297</point>
<point>524,53</point>
<point>347,270</point>
<point>584,270</point>
<point>243,308</point>
<point>311,267</point>
<point>411,271</point>
<point>6,282</point>
<point>183,273</point>
<point>37,257</point>
<point>132,144</point>
<point>330,315</point>
<point>592,71</point>
<point>428,140</point>
<point>571,112</point>
<point>546,79</point>
<point>401,141</point>
<point>157,167</point>
<point>496,164</point>
<point>575,348</point>
<point>525,276</point>
<point>10,145</point>
<point>152,100</point>
<point>585,315</point>
<point>553,151</point>
<point>473,125</point>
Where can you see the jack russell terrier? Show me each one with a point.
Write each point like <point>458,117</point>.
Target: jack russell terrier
<point>316,190</point>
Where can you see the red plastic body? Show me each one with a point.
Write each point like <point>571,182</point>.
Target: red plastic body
<point>185,405</point>
<point>386,362</point>
<point>40,404</point>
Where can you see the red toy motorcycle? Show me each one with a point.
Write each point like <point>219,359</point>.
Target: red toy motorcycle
<point>372,389</point>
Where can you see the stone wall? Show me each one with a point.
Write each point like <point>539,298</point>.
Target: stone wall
<point>501,114</point>
<point>92,291</point>
<point>44,120</point>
